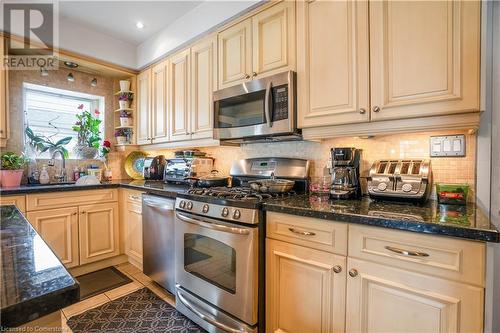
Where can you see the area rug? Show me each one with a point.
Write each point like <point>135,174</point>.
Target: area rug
<point>101,281</point>
<point>139,312</point>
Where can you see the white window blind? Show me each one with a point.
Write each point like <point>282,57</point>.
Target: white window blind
<point>52,112</point>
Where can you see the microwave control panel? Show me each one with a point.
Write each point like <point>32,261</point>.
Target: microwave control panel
<point>280,98</point>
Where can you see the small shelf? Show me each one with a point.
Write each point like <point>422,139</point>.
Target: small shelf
<point>121,92</point>
<point>125,109</point>
<point>122,127</point>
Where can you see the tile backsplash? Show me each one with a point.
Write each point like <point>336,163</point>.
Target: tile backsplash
<point>397,146</point>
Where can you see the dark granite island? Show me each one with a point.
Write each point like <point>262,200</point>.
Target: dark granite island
<point>33,282</point>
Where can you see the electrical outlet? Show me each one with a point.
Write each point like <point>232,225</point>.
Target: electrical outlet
<point>51,162</point>
<point>447,146</point>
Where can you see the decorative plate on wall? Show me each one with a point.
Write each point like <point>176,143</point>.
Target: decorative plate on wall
<point>134,163</point>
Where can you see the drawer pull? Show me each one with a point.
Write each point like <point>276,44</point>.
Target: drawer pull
<point>406,252</point>
<point>303,233</point>
<point>134,197</point>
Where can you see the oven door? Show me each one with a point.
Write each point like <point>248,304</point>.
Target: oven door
<point>218,262</point>
<point>263,107</point>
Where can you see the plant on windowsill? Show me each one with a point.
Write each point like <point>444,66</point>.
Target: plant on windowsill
<point>87,127</point>
<point>12,169</point>
<point>42,143</point>
<point>123,135</point>
<point>124,99</point>
<point>125,118</point>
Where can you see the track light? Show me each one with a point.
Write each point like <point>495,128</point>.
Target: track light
<point>93,83</point>
<point>70,77</point>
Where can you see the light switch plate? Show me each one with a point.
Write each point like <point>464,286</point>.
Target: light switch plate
<point>447,146</point>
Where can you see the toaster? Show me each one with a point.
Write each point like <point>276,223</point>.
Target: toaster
<point>177,169</point>
<point>404,180</point>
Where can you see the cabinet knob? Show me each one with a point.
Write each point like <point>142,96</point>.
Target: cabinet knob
<point>337,269</point>
<point>73,214</point>
<point>376,109</point>
<point>362,111</point>
<point>83,212</point>
<point>254,74</point>
<point>247,76</point>
<point>353,272</point>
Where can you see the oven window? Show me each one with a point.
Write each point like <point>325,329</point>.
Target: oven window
<point>238,111</point>
<point>210,260</point>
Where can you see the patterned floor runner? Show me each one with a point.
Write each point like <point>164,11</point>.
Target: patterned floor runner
<point>139,312</point>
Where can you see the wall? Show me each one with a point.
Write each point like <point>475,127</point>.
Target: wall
<point>459,170</point>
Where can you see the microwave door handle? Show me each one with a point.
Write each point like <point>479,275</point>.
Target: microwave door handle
<point>213,226</point>
<point>267,102</point>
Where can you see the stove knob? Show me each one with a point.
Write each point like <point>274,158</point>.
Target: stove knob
<point>225,212</point>
<point>205,208</point>
<point>382,186</point>
<point>182,204</point>
<point>189,205</point>
<point>406,187</point>
<point>237,214</point>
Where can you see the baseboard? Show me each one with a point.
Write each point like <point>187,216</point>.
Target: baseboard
<point>135,262</point>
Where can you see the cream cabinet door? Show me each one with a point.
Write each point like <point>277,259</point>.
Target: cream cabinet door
<point>424,58</point>
<point>133,231</point>
<point>3,98</point>
<point>179,96</point>
<point>332,63</point>
<point>203,84</point>
<point>235,54</point>
<point>303,292</point>
<point>144,107</point>
<point>159,110</point>
<point>59,229</point>
<point>99,232</point>
<point>273,35</point>
<point>385,299</point>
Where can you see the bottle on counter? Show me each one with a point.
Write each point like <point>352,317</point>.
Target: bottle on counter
<point>76,174</point>
<point>44,175</point>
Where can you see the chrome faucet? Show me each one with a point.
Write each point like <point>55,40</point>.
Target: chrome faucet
<point>61,178</point>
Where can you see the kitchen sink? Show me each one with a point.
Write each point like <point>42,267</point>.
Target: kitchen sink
<point>52,184</point>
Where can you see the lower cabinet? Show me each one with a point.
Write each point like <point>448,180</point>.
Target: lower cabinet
<point>305,289</point>
<point>133,231</point>
<point>99,232</point>
<point>59,229</point>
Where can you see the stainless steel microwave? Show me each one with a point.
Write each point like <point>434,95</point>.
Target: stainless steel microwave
<point>263,109</point>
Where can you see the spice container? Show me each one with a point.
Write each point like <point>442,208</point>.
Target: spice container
<point>452,194</point>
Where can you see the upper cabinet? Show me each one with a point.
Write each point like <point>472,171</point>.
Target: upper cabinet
<point>385,60</point>
<point>159,102</point>
<point>333,62</point>
<point>261,45</point>
<point>425,58</point>
<point>144,107</point>
<point>4,96</point>
<point>179,96</point>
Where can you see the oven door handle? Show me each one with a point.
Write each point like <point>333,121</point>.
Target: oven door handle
<point>267,102</point>
<point>211,225</point>
<point>206,316</point>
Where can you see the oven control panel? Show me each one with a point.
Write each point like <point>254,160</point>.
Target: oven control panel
<point>221,212</point>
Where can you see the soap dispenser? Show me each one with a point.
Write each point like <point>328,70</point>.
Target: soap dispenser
<point>44,175</point>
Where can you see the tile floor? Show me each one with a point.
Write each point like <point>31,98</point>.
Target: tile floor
<point>139,280</point>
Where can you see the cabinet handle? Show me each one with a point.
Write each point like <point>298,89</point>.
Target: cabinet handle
<point>135,197</point>
<point>353,272</point>
<point>74,214</point>
<point>83,212</point>
<point>254,74</point>
<point>303,233</point>
<point>247,76</point>
<point>408,253</point>
<point>337,269</point>
<point>376,109</point>
<point>362,111</point>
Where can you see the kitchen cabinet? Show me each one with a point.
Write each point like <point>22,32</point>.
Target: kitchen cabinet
<point>261,45</point>
<point>159,102</point>
<point>179,96</point>
<point>381,298</point>
<point>59,229</point>
<point>362,62</point>
<point>333,62</point>
<point>99,232</point>
<point>305,289</point>
<point>17,200</point>
<point>4,98</point>
<point>132,222</point>
<point>144,107</point>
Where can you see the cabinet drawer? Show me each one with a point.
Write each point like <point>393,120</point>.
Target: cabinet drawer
<point>453,259</point>
<point>73,198</point>
<point>306,231</point>
<point>18,200</point>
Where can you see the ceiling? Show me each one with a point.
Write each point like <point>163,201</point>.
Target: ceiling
<point>118,18</point>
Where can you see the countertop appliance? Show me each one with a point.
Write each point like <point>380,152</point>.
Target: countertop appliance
<point>158,240</point>
<point>345,173</point>
<point>219,235</point>
<point>154,167</point>
<point>404,180</point>
<point>258,110</point>
<point>178,169</point>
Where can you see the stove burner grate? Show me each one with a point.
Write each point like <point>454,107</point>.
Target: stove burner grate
<point>238,193</point>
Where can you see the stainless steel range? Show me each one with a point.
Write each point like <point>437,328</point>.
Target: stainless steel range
<point>219,241</point>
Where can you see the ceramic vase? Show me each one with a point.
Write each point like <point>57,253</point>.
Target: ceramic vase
<point>125,121</point>
<point>124,104</point>
<point>124,85</point>
<point>11,178</point>
<point>121,139</point>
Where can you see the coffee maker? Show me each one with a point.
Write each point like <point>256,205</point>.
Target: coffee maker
<point>345,173</point>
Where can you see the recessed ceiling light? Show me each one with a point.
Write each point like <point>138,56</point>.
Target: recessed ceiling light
<point>139,25</point>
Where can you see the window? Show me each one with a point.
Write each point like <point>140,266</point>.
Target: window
<point>51,113</point>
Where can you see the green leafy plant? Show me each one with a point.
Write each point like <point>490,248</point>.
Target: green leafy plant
<point>12,161</point>
<point>87,127</point>
<point>42,143</point>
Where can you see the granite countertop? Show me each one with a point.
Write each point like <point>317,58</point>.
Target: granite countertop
<point>467,222</point>
<point>33,281</point>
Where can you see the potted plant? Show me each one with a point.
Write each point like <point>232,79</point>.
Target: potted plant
<point>121,135</point>
<point>125,118</point>
<point>124,85</point>
<point>42,143</point>
<point>124,99</point>
<point>87,127</point>
<point>12,168</point>
<point>105,149</point>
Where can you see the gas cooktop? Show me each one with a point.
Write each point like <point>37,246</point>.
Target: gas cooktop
<point>238,193</point>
